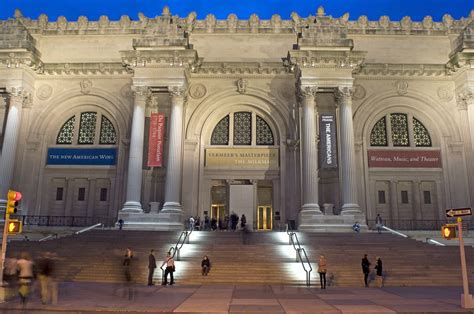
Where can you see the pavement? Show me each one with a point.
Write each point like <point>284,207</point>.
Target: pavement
<point>88,297</point>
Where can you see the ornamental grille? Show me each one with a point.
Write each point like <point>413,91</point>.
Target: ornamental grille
<point>66,134</point>
<point>242,128</point>
<point>107,132</point>
<point>420,133</point>
<point>399,123</point>
<point>264,133</point>
<point>378,136</point>
<point>220,135</point>
<point>87,128</point>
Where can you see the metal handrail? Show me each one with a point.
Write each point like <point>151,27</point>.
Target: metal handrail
<point>177,248</point>
<point>48,237</point>
<point>395,232</point>
<point>89,228</point>
<point>301,254</point>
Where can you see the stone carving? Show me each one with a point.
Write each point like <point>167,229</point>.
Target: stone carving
<point>141,91</point>
<point>359,92</point>
<point>86,86</point>
<point>176,91</point>
<point>17,14</point>
<point>82,24</point>
<point>427,22</point>
<point>307,91</point>
<point>242,85</point>
<point>15,91</point>
<point>405,23</point>
<point>384,21</point>
<point>190,20</point>
<point>276,23</point>
<point>232,21</point>
<point>445,93</point>
<point>61,24</point>
<point>197,91</point>
<point>103,23</point>
<point>465,99</point>
<point>447,21</point>
<point>363,21</point>
<point>210,23</point>
<point>401,87</point>
<point>27,100</point>
<point>343,20</point>
<point>320,12</point>
<point>126,91</point>
<point>296,22</point>
<point>344,93</point>
<point>43,22</point>
<point>3,102</point>
<point>152,102</point>
<point>143,19</point>
<point>254,22</point>
<point>166,11</point>
<point>124,21</point>
<point>44,92</point>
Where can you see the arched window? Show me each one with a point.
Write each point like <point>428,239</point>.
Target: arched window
<point>239,128</point>
<point>403,130</point>
<point>85,132</point>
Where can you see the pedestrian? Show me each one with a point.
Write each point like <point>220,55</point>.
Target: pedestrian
<point>151,267</point>
<point>128,257</point>
<point>25,275</point>
<point>10,274</point>
<point>48,288</point>
<point>356,227</point>
<point>207,223</point>
<point>322,269</point>
<point>379,223</point>
<point>170,268</point>
<point>379,269</point>
<point>366,269</point>
<point>205,265</point>
<point>120,223</point>
<point>243,221</point>
<point>191,223</point>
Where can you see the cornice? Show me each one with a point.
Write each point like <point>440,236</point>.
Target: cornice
<point>325,59</point>
<point>244,69</point>
<point>386,70</point>
<point>160,58</point>
<point>111,68</point>
<point>253,25</point>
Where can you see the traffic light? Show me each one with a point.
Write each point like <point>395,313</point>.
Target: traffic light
<point>14,226</point>
<point>13,200</point>
<point>448,231</point>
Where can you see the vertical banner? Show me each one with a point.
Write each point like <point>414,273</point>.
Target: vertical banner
<point>155,140</point>
<point>328,147</point>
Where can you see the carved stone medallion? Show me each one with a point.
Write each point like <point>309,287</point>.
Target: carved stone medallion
<point>126,91</point>
<point>86,86</point>
<point>402,87</point>
<point>359,92</point>
<point>445,93</point>
<point>44,92</point>
<point>197,91</point>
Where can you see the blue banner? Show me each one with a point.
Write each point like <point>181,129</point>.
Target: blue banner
<point>82,156</point>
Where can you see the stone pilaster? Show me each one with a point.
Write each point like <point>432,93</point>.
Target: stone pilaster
<point>135,159</point>
<point>465,105</point>
<point>10,141</point>
<point>348,164</point>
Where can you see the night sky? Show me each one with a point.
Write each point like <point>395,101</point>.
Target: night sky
<point>417,9</point>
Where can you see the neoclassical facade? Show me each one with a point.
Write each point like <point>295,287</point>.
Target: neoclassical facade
<point>320,120</point>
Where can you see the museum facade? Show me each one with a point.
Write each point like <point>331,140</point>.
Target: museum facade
<point>319,120</point>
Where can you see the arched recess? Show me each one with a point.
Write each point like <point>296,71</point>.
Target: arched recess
<point>429,189</point>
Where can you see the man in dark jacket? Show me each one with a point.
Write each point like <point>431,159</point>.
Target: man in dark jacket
<point>366,269</point>
<point>151,267</point>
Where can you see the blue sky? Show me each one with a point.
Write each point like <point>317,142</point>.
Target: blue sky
<point>396,9</point>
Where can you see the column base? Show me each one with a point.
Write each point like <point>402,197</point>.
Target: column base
<point>331,223</point>
<point>149,221</point>
<point>311,208</point>
<point>172,207</point>
<point>350,209</point>
<point>132,206</point>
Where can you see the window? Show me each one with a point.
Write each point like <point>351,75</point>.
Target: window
<point>381,197</point>
<point>427,197</point>
<point>241,125</point>
<point>103,195</point>
<point>81,195</point>
<point>404,195</point>
<point>85,132</point>
<point>59,194</point>
<point>396,132</point>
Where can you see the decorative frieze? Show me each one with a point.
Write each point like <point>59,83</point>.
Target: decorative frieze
<point>415,70</point>
<point>83,69</point>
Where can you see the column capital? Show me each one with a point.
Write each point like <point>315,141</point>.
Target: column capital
<point>307,91</point>
<point>15,91</point>
<point>464,99</point>
<point>177,91</point>
<point>344,93</point>
<point>20,95</point>
<point>143,91</point>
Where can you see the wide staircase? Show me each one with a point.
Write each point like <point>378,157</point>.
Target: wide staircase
<point>258,258</point>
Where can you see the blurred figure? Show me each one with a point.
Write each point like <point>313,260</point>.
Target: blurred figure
<point>128,257</point>
<point>10,273</point>
<point>379,223</point>
<point>151,267</point>
<point>322,269</point>
<point>120,223</point>
<point>25,275</point>
<point>356,227</point>
<point>243,221</point>
<point>379,269</point>
<point>366,269</point>
<point>170,268</point>
<point>48,287</point>
<point>205,265</point>
<point>192,221</point>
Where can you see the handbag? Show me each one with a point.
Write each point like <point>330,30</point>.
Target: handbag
<point>173,268</point>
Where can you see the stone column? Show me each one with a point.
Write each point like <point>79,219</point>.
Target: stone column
<point>10,139</point>
<point>135,159</point>
<point>465,105</point>
<point>91,198</point>
<point>175,151</point>
<point>348,165</point>
<point>417,207</point>
<point>394,203</point>
<point>309,153</point>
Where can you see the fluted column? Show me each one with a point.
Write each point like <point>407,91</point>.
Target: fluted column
<point>175,147</point>
<point>465,105</point>
<point>135,159</point>
<point>348,165</point>
<point>309,152</point>
<point>10,141</point>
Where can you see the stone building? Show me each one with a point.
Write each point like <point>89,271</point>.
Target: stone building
<point>320,120</point>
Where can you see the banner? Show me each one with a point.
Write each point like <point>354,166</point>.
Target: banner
<point>404,158</point>
<point>82,156</point>
<point>156,139</point>
<point>327,135</point>
<point>242,158</point>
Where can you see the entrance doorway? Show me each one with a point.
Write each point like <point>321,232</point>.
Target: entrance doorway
<point>217,211</point>
<point>264,218</point>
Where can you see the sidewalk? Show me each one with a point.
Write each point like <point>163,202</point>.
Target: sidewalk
<point>95,297</point>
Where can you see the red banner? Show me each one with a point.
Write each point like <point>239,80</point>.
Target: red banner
<point>404,158</point>
<point>156,137</point>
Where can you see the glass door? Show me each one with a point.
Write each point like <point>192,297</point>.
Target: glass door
<point>264,218</point>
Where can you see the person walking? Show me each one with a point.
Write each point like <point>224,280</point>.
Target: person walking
<point>205,265</point>
<point>48,287</point>
<point>25,275</point>
<point>322,269</point>
<point>379,269</point>
<point>379,223</point>
<point>170,268</point>
<point>366,269</point>
<point>128,256</point>
<point>151,267</point>
<point>243,221</point>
